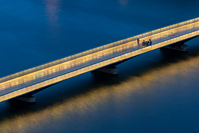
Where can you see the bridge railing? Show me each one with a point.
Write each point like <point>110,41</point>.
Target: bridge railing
<point>111,45</point>
<point>84,59</point>
<point>95,66</point>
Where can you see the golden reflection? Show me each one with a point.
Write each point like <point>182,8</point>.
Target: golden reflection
<point>93,100</point>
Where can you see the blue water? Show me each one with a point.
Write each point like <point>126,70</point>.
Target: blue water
<point>155,92</point>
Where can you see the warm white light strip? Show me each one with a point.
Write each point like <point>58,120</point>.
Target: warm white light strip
<point>90,57</point>
<point>25,72</point>
<point>96,66</point>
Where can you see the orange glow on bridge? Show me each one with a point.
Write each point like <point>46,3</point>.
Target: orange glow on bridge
<point>56,71</point>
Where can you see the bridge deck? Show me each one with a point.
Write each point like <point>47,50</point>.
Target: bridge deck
<point>53,72</point>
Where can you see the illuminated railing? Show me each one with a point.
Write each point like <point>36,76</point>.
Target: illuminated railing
<point>96,49</point>
<point>44,75</point>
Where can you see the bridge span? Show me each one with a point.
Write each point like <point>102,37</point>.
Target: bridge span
<point>36,78</point>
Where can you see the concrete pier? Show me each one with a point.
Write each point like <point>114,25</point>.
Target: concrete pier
<point>109,70</point>
<point>27,99</point>
<point>181,47</point>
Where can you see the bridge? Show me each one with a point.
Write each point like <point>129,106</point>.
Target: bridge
<point>103,58</point>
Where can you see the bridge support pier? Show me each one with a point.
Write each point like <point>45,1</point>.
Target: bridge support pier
<point>27,99</point>
<point>177,47</point>
<point>109,70</point>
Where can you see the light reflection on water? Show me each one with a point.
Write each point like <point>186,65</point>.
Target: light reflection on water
<point>52,12</point>
<point>123,2</point>
<point>84,104</point>
<point>52,9</point>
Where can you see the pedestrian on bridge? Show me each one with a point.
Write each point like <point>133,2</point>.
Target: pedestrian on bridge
<point>147,43</point>
<point>150,42</point>
<point>138,43</point>
<point>143,43</point>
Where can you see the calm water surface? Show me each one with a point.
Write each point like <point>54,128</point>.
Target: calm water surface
<point>155,92</point>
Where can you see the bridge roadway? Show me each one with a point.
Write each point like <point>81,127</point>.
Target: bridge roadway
<point>50,73</point>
